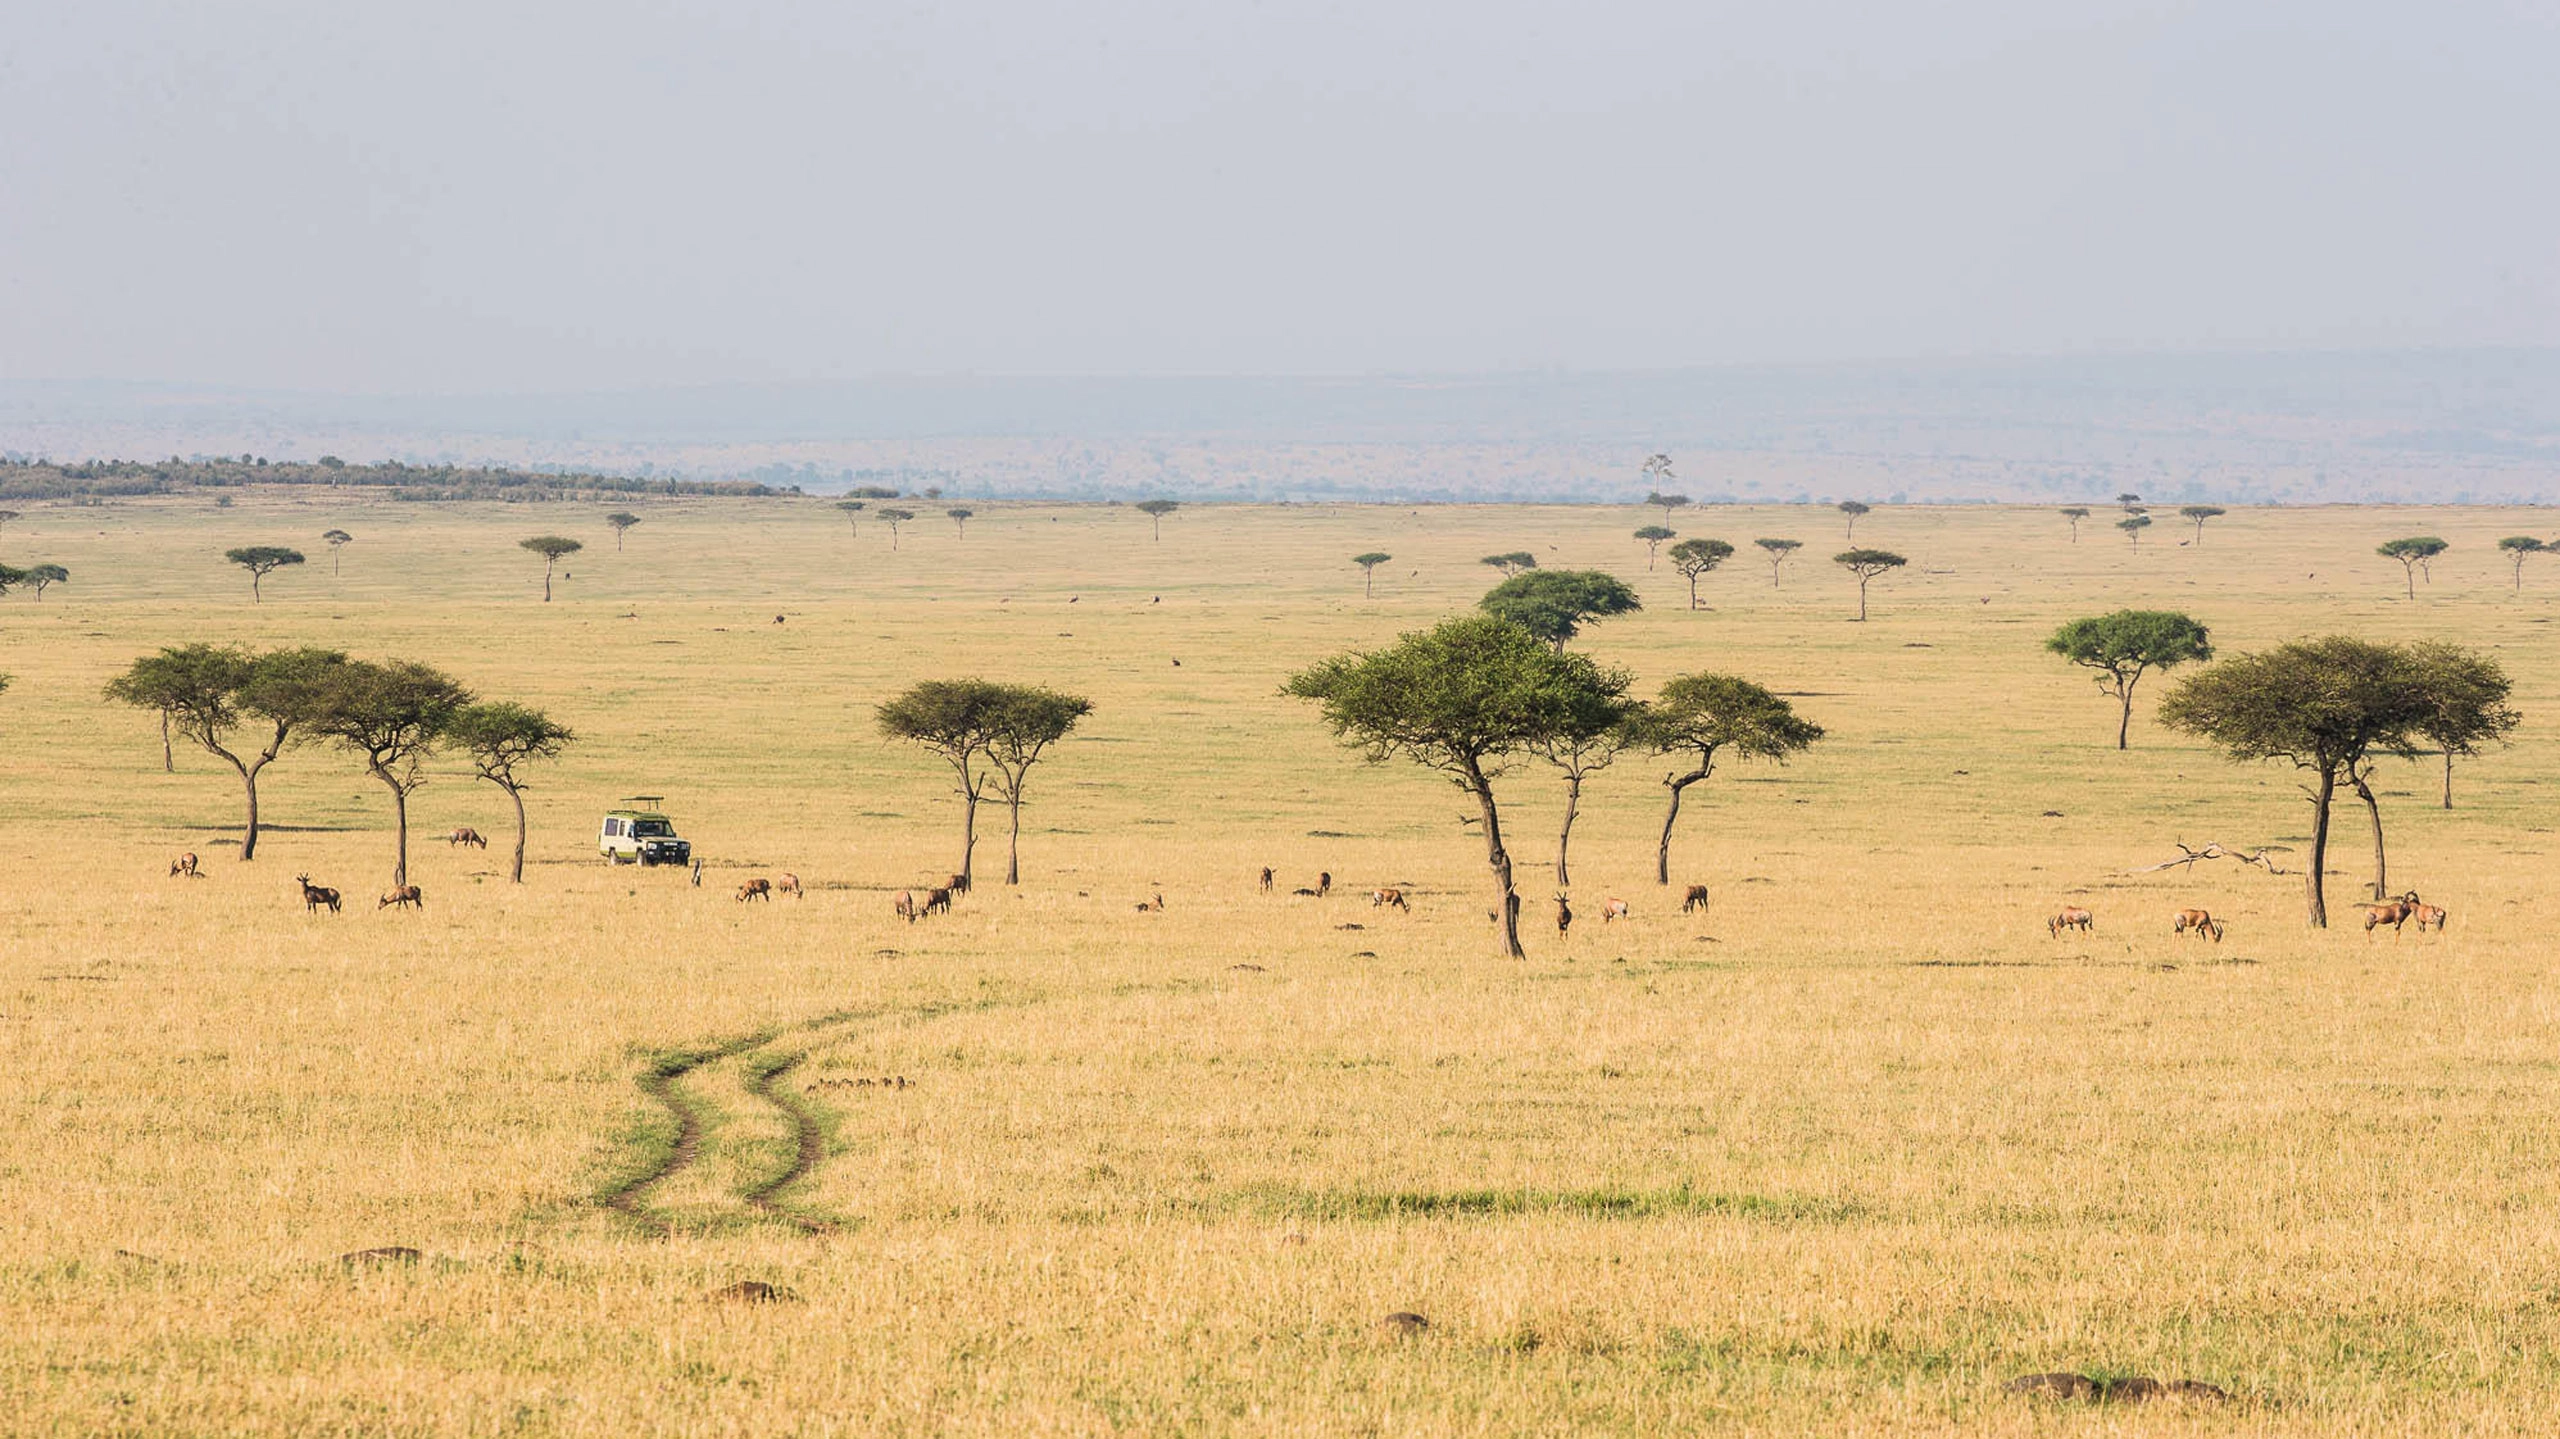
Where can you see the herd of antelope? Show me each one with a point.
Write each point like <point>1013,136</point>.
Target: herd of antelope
<point>2202,924</point>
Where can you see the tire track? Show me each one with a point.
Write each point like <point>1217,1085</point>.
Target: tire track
<point>660,1083</point>
<point>809,1145</point>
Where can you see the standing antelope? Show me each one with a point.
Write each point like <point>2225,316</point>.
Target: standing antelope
<point>1695,899</point>
<point>316,895</point>
<point>2393,912</point>
<point>789,884</point>
<point>2428,915</point>
<point>2071,917</point>
<point>1614,909</point>
<point>404,896</point>
<point>906,905</point>
<point>184,864</point>
<point>1324,883</point>
<point>1268,878</point>
<point>2198,921</point>
<point>1388,899</point>
<point>1564,915</point>
<point>937,902</point>
<point>467,835</point>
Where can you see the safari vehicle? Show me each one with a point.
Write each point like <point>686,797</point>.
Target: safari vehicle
<point>642,834</point>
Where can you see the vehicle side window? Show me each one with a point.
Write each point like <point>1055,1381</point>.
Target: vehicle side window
<point>612,827</point>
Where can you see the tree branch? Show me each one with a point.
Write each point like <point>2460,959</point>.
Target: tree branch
<point>2188,858</point>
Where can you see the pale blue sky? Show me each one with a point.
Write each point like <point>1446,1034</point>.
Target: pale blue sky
<point>502,196</point>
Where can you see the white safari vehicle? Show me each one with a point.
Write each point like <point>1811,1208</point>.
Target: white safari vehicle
<point>640,833</point>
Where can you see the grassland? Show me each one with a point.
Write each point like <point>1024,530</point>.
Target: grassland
<point>1840,1156</point>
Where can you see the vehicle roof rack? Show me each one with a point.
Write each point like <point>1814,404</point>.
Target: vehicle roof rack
<point>643,799</point>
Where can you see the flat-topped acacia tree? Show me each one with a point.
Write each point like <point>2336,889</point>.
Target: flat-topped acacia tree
<point>393,715</point>
<point>1866,565</point>
<point>2416,555</point>
<point>1554,605</point>
<point>1708,716</point>
<point>498,737</point>
<point>210,693</point>
<point>1156,510</point>
<point>622,521</point>
<point>2124,646</point>
<point>1853,509</point>
<point>1779,552</point>
<point>38,577</point>
<point>959,517</point>
<point>1693,558</point>
<point>956,720</point>
<point>2518,549</point>
<point>2198,514</point>
<point>261,561</point>
<point>1368,564</point>
<point>1668,503</point>
<point>853,512</point>
<point>1029,719</point>
<point>552,548</point>
<point>1593,726</point>
<point>336,540</point>
<point>894,518</point>
<point>1462,698</point>
<point>2075,514</point>
<point>2133,525</point>
<point>1653,536</point>
<point>2466,695</point>
<point>1512,562</point>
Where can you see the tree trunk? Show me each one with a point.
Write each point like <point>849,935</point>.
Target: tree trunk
<point>1862,601</point>
<point>1368,584</point>
<point>249,837</point>
<point>168,757</point>
<point>546,596</point>
<point>2124,726</point>
<point>2448,779</point>
<point>1506,898</point>
<point>255,597</point>
<point>1662,854</point>
<point>2320,846</point>
<point>400,815</point>
<point>1564,836</point>
<point>2373,810</point>
<point>968,832</point>
<point>1013,838</point>
<point>517,795</point>
<point>1693,589</point>
<point>2409,575</point>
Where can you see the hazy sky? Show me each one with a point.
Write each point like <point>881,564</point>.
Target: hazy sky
<point>585,193</point>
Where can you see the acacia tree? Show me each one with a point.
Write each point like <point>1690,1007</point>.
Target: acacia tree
<point>2075,515</point>
<point>2133,525</point>
<point>1653,536</point>
<point>1866,565</point>
<point>209,692</point>
<point>2415,554</point>
<point>1368,564</point>
<point>393,715</point>
<point>1554,605</point>
<point>499,736</point>
<point>2128,499</point>
<point>2467,705</point>
<point>37,577</point>
<point>853,513</point>
<point>1853,510</point>
<point>1657,473</point>
<point>1156,510</point>
<point>2324,705</point>
<point>2199,514</point>
<point>552,548</point>
<point>1668,502</point>
<point>1712,715</point>
<point>622,521</point>
<point>261,561</point>
<point>894,518</point>
<point>1779,552</point>
<point>336,540</point>
<point>2124,646</point>
<point>958,720</point>
<point>1512,563</point>
<point>1461,698</point>
<point>960,518</point>
<point>10,578</point>
<point>1693,558</point>
<point>2518,549</point>
<point>1028,720</point>
<point>1591,729</point>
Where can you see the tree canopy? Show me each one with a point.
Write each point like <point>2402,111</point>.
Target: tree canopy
<point>1709,716</point>
<point>208,692</point>
<point>336,540</point>
<point>1156,510</point>
<point>2133,526</point>
<point>958,721</point>
<point>2075,514</point>
<point>393,715</point>
<point>1693,558</point>
<point>2415,554</point>
<point>1554,605</point>
<point>959,516</point>
<point>261,561</point>
<point>622,521</point>
<point>2518,549</point>
<point>1653,536</point>
<point>1866,565</point>
<point>552,548</point>
<point>1027,722</point>
<point>2127,644</point>
<point>1778,552</point>
<point>499,735</point>
<point>1853,509</point>
<point>2199,514</point>
<point>1368,564</point>
<point>1512,562</point>
<point>38,577</point>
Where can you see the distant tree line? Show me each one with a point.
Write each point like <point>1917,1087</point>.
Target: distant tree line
<point>46,480</point>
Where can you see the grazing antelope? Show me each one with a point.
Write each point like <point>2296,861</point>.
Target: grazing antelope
<point>1388,899</point>
<point>468,835</point>
<point>2071,917</point>
<point>1324,883</point>
<point>316,895</point>
<point>959,884</point>
<point>2198,921</point>
<point>1614,909</point>
<point>906,905</point>
<point>1151,906</point>
<point>1695,899</point>
<point>789,884</point>
<point>1267,879</point>
<point>758,888</point>
<point>184,864</point>
<point>404,896</point>
<point>2428,915</point>
<point>1564,915</point>
<point>2393,912</point>
<point>937,902</point>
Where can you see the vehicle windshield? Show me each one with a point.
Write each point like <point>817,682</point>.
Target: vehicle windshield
<point>646,828</point>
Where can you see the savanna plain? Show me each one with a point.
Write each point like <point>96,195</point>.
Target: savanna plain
<point>1842,1154</point>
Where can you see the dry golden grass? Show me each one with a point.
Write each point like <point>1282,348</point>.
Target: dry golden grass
<point>1841,1156</point>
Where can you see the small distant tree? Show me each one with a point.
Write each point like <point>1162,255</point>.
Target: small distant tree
<point>2324,705</point>
<point>1156,510</point>
<point>1591,728</point>
<point>336,540</point>
<point>2133,526</point>
<point>957,720</point>
<point>10,578</point>
<point>498,737</point>
<point>393,715</point>
<point>1693,558</point>
<point>1657,473</point>
<point>1779,552</point>
<point>622,521</point>
<point>552,548</point>
<point>1554,605</point>
<point>2128,498</point>
<point>261,561</point>
<point>1866,565</point>
<point>1853,510</point>
<point>2075,515</point>
<point>209,692</point>
<point>876,492</point>
<point>1712,715</point>
<point>1668,503</point>
<point>2125,646</point>
<point>853,513</point>
<point>1029,720</point>
<point>2518,549</point>
<point>1653,536</point>
<point>39,576</point>
<point>1462,699</point>
<point>960,519</point>
<point>1368,564</point>
<point>2198,514</point>
<point>1512,563</point>
<point>894,518</point>
<point>2415,555</point>
<point>2466,694</point>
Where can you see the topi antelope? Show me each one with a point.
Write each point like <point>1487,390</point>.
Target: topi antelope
<point>404,896</point>
<point>1614,909</point>
<point>316,895</point>
<point>467,835</point>
<point>2428,916</point>
<point>758,888</point>
<point>1388,899</point>
<point>789,884</point>
<point>2071,917</point>
<point>184,864</point>
<point>1268,879</point>
<point>906,905</point>
<point>937,902</point>
<point>2199,922</point>
<point>1695,899</point>
<point>2393,912</point>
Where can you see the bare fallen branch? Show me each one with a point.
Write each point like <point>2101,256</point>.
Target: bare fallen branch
<point>2188,857</point>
